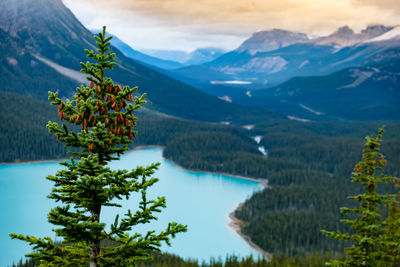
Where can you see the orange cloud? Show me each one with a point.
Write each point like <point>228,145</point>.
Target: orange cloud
<point>237,17</point>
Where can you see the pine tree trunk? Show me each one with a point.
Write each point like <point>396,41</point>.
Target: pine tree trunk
<point>93,253</point>
<point>95,247</point>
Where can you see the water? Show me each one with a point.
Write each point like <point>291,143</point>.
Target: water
<point>200,200</point>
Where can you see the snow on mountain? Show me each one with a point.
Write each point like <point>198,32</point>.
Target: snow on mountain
<point>394,33</point>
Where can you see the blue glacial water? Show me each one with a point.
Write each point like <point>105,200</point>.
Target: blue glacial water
<point>201,201</point>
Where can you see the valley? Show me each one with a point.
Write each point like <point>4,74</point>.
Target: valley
<point>284,108</point>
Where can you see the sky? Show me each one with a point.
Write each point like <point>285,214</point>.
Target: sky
<point>190,24</point>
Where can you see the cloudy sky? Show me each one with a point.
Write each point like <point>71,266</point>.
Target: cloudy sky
<point>190,24</point>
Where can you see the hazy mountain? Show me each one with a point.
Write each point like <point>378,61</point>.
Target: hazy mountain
<point>50,32</point>
<point>196,57</point>
<point>143,58</point>
<point>203,55</point>
<point>264,41</point>
<point>174,55</point>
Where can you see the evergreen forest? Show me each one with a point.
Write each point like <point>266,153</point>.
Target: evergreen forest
<point>307,166</point>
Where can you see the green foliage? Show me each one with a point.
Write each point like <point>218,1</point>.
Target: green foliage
<point>104,111</point>
<point>368,222</point>
<point>392,232</point>
<point>168,260</point>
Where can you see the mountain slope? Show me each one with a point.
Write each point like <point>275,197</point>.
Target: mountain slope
<point>48,29</point>
<point>370,92</point>
<point>23,73</point>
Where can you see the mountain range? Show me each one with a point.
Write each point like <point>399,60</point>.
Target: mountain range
<point>367,91</point>
<point>268,58</point>
<point>286,72</point>
<point>43,41</point>
<point>167,60</point>
<point>272,62</point>
<point>143,58</point>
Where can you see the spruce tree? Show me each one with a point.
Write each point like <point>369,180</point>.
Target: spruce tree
<point>104,111</point>
<point>392,232</point>
<point>369,238</point>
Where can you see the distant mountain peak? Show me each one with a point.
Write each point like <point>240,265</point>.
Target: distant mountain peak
<point>203,55</point>
<point>263,41</point>
<point>344,30</point>
<point>376,29</point>
<point>345,36</point>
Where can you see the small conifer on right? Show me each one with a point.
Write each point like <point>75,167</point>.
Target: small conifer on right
<point>372,246</point>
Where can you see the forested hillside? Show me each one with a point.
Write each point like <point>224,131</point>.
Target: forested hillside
<point>287,217</point>
<point>23,133</point>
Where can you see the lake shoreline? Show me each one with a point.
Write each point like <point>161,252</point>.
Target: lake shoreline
<point>234,223</point>
<point>263,182</point>
<point>32,161</point>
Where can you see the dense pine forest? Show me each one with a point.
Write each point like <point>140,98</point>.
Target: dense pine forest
<point>308,168</point>
<point>286,218</point>
<point>168,260</point>
<point>28,139</point>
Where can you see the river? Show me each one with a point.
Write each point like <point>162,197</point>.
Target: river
<point>202,201</point>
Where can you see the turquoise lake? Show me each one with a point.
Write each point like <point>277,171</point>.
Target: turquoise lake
<point>201,201</point>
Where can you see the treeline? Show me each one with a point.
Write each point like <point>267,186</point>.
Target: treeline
<point>169,260</point>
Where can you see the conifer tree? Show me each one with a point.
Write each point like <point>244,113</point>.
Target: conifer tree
<point>105,113</point>
<point>392,233</point>
<point>370,242</point>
